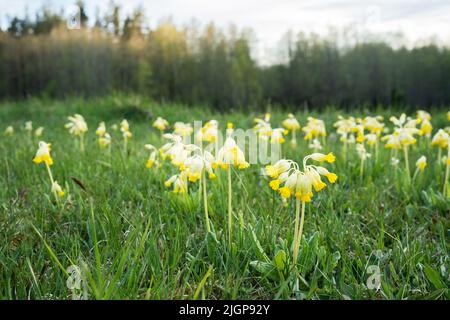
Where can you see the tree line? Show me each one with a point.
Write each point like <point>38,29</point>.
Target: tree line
<point>211,66</point>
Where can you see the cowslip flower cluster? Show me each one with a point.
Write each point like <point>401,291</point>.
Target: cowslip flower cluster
<point>104,139</point>
<point>345,127</point>
<point>421,163</point>
<point>38,132</point>
<point>314,128</point>
<point>289,179</point>
<point>125,129</point>
<point>174,149</point>
<point>423,118</point>
<point>230,155</point>
<point>126,134</point>
<point>183,129</point>
<point>193,163</point>
<point>292,124</point>
<point>153,158</point>
<point>209,132</point>
<point>29,128</point>
<point>9,131</point>
<point>263,128</point>
<point>77,126</point>
<point>402,137</point>
<point>43,156</point>
<point>440,139</point>
<point>161,124</point>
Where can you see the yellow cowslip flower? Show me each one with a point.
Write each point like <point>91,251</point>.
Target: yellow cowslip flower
<point>125,129</point>
<point>291,181</point>
<point>314,128</point>
<point>105,140</point>
<point>126,134</point>
<point>101,130</point>
<point>9,131</point>
<point>426,128</point>
<point>440,139</point>
<point>359,129</point>
<point>423,115</point>
<point>403,136</point>
<point>175,150</point>
<point>263,128</point>
<point>300,183</point>
<point>179,183</point>
<point>76,125</point>
<point>423,118</point>
<point>345,127</point>
<point>43,154</point>
<point>230,153</point>
<point>371,139</point>
<point>56,189</point>
<point>29,126</point>
<point>278,168</point>
<point>392,141</point>
<point>209,132</point>
<point>160,124</point>
<point>183,129</point>
<point>195,168</point>
<point>153,157</point>
<point>278,135</point>
<point>448,116</point>
<point>196,165</point>
<point>322,157</point>
<point>421,163</point>
<point>373,124</point>
<point>38,132</point>
<point>291,123</point>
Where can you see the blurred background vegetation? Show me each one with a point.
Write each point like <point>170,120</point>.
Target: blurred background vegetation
<point>206,65</point>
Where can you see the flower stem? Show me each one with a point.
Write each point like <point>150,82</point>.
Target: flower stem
<point>205,204</point>
<point>52,181</point>
<point>405,150</point>
<point>361,170</point>
<point>230,220</point>
<point>299,233</point>
<point>81,143</point>
<point>447,170</point>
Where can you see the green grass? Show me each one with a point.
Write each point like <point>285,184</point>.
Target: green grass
<point>134,239</point>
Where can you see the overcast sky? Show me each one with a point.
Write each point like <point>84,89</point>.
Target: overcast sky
<point>270,19</point>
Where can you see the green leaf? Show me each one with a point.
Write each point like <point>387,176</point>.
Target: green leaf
<point>260,252</point>
<point>265,268</point>
<point>433,277</point>
<point>281,260</point>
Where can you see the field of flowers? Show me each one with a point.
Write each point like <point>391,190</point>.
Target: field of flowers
<point>124,198</point>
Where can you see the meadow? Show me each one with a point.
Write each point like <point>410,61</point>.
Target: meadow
<point>376,233</point>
